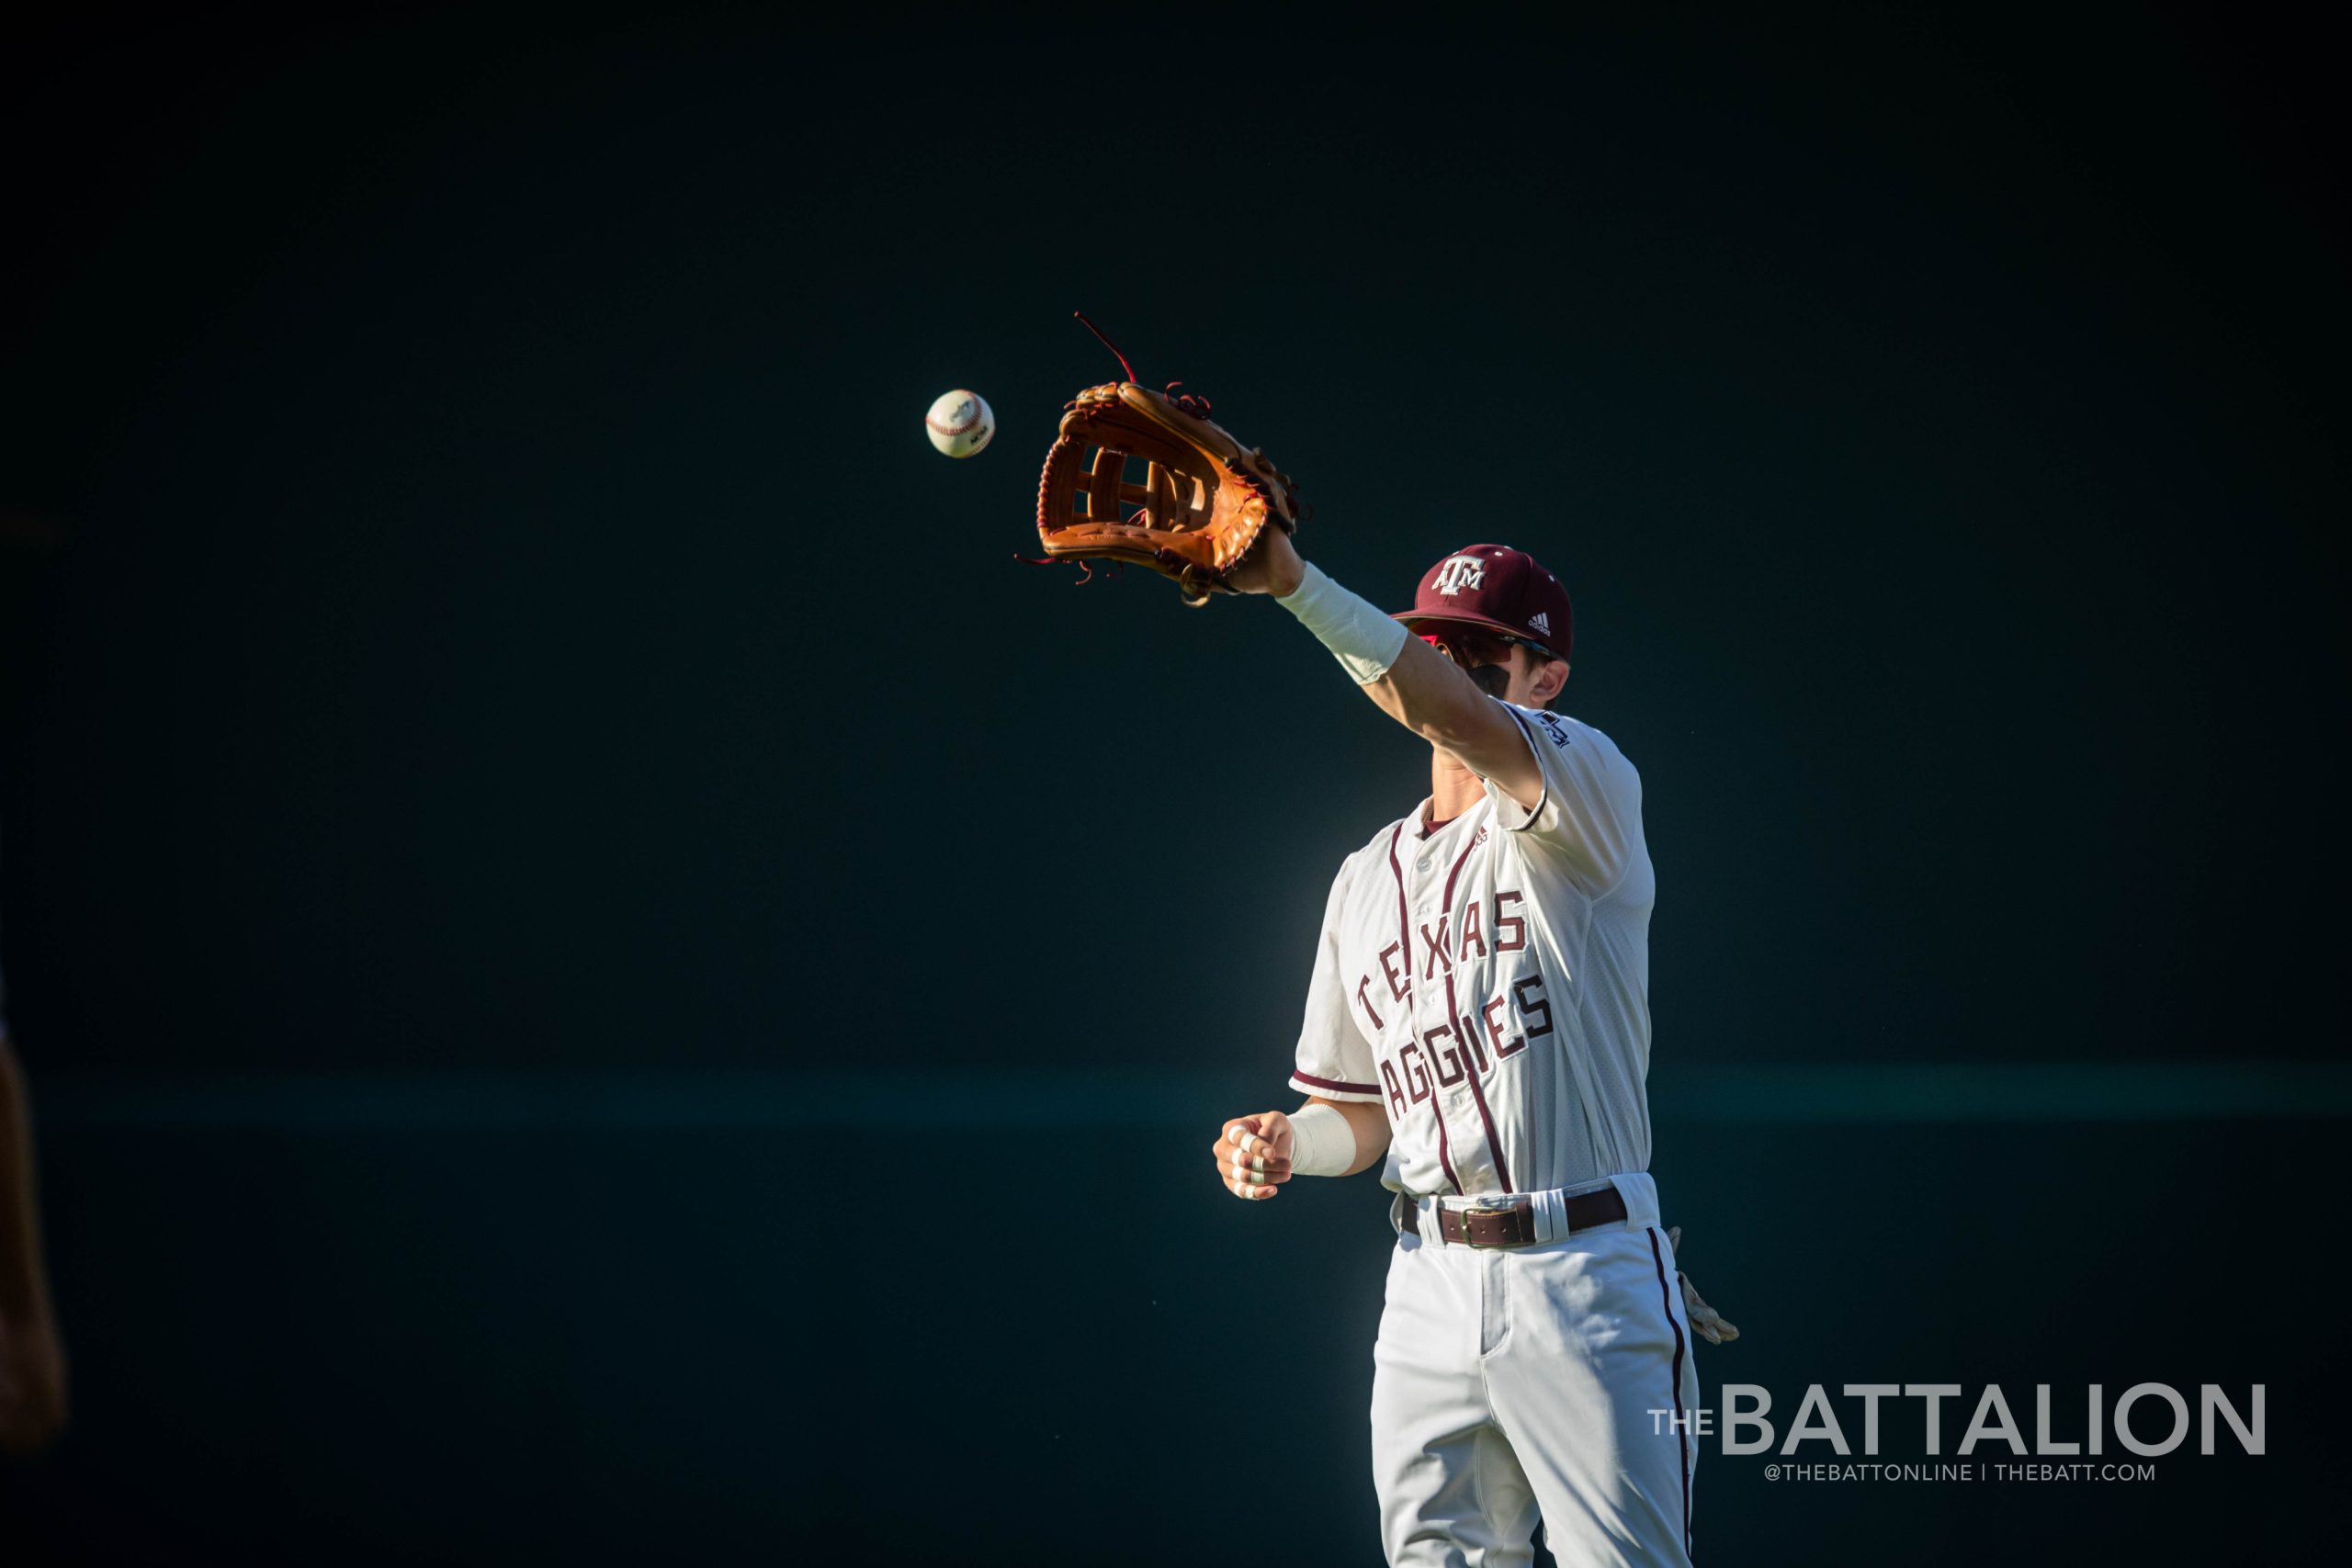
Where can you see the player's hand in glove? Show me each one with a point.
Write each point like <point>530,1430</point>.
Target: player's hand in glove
<point>1205,501</point>
<point>1274,566</point>
<point>1252,1153</point>
<point>1710,1325</point>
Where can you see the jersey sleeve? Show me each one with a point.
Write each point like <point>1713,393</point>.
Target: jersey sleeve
<point>1591,810</point>
<point>1333,1059</point>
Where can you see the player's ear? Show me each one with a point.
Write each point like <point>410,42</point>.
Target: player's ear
<point>1550,676</point>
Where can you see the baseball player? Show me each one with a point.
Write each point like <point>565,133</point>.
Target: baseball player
<point>1479,1017</point>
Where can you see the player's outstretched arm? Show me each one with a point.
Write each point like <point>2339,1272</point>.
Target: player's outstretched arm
<point>1255,1155</point>
<point>1412,682</point>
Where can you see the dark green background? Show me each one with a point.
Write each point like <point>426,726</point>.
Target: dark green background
<point>511,638</point>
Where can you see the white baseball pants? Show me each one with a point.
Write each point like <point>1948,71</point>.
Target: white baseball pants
<point>1513,1383</point>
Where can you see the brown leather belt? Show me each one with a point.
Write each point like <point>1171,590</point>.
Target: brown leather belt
<point>1513,1224</point>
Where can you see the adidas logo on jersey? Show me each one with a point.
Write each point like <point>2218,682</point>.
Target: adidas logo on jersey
<point>1458,572</point>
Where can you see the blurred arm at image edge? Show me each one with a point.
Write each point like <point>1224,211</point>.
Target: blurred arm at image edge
<point>33,1364</point>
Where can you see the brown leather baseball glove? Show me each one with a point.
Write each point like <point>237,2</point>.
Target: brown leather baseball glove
<point>1202,502</point>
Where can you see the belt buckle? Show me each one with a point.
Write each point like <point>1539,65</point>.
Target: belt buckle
<point>1486,1206</point>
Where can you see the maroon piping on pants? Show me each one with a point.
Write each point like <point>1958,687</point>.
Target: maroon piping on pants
<point>1665,1299</point>
<point>1405,930</point>
<point>1453,1016</point>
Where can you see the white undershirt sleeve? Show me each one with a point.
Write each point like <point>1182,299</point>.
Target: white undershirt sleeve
<point>1322,1143</point>
<point>1363,640</point>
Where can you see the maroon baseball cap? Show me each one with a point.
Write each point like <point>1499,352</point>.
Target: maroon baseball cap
<point>1498,588</point>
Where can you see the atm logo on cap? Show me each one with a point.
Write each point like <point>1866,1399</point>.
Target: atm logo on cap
<point>1458,572</point>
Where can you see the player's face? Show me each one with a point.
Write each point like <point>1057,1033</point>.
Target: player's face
<point>1502,667</point>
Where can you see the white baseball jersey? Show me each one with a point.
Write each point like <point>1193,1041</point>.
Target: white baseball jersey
<point>1489,981</point>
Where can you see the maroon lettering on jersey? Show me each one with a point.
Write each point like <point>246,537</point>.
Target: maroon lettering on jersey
<point>1470,931</point>
<point>1534,1010</point>
<point>1397,987</point>
<point>1510,931</point>
<point>1440,1060</point>
<point>1363,998</point>
<point>1395,1095</point>
<point>1415,1075</point>
<point>1434,949</point>
<point>1466,1031</point>
<point>1495,1029</point>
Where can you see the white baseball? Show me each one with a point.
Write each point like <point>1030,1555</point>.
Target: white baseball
<point>960,422</point>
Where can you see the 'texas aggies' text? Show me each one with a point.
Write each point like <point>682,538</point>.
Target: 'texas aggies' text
<point>1489,1031</point>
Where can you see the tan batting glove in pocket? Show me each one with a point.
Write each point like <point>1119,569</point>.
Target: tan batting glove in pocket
<point>1709,1324</point>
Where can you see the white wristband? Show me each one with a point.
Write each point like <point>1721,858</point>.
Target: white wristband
<point>1364,641</point>
<point>1321,1142</point>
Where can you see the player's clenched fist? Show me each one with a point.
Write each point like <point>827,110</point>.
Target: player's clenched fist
<point>1252,1153</point>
